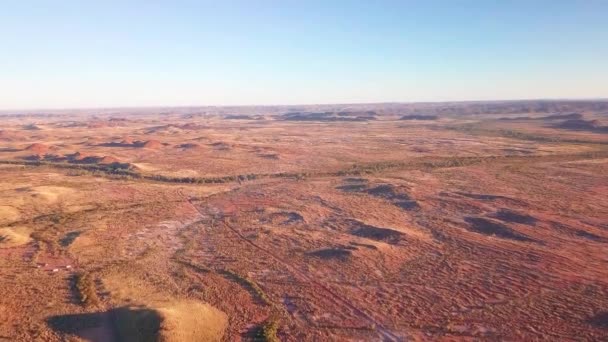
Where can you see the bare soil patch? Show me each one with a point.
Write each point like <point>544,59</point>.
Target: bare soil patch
<point>14,237</point>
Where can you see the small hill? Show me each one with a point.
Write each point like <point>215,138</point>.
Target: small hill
<point>152,144</point>
<point>82,158</point>
<point>38,148</point>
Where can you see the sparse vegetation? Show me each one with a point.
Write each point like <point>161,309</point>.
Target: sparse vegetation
<point>475,129</point>
<point>320,227</point>
<point>269,331</point>
<point>85,287</point>
<point>354,170</point>
<point>249,285</point>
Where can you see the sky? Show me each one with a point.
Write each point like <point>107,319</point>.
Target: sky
<point>128,53</point>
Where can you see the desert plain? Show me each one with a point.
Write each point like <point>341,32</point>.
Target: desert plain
<point>380,222</point>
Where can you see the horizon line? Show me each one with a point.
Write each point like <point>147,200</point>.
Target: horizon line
<point>128,107</point>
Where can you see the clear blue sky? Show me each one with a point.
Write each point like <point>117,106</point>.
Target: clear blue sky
<point>59,54</point>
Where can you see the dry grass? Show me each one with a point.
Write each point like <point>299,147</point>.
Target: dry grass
<point>85,286</point>
<point>176,319</point>
<point>270,330</point>
<point>185,321</point>
<point>8,214</point>
<point>14,237</point>
<point>181,321</point>
<point>248,284</point>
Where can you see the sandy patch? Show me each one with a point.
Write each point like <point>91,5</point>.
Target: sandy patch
<point>49,193</point>
<point>144,166</point>
<point>8,214</point>
<point>14,237</point>
<point>182,173</point>
<point>191,321</point>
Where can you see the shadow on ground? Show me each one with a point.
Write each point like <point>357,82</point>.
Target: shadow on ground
<point>120,324</point>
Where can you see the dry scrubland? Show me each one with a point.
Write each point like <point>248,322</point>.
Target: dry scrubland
<point>472,221</point>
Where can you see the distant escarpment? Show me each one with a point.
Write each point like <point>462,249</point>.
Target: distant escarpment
<point>329,116</point>
<point>419,117</point>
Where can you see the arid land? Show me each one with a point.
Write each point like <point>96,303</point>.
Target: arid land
<point>392,222</point>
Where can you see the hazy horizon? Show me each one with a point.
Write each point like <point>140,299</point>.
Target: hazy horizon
<point>186,54</point>
<point>24,110</point>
